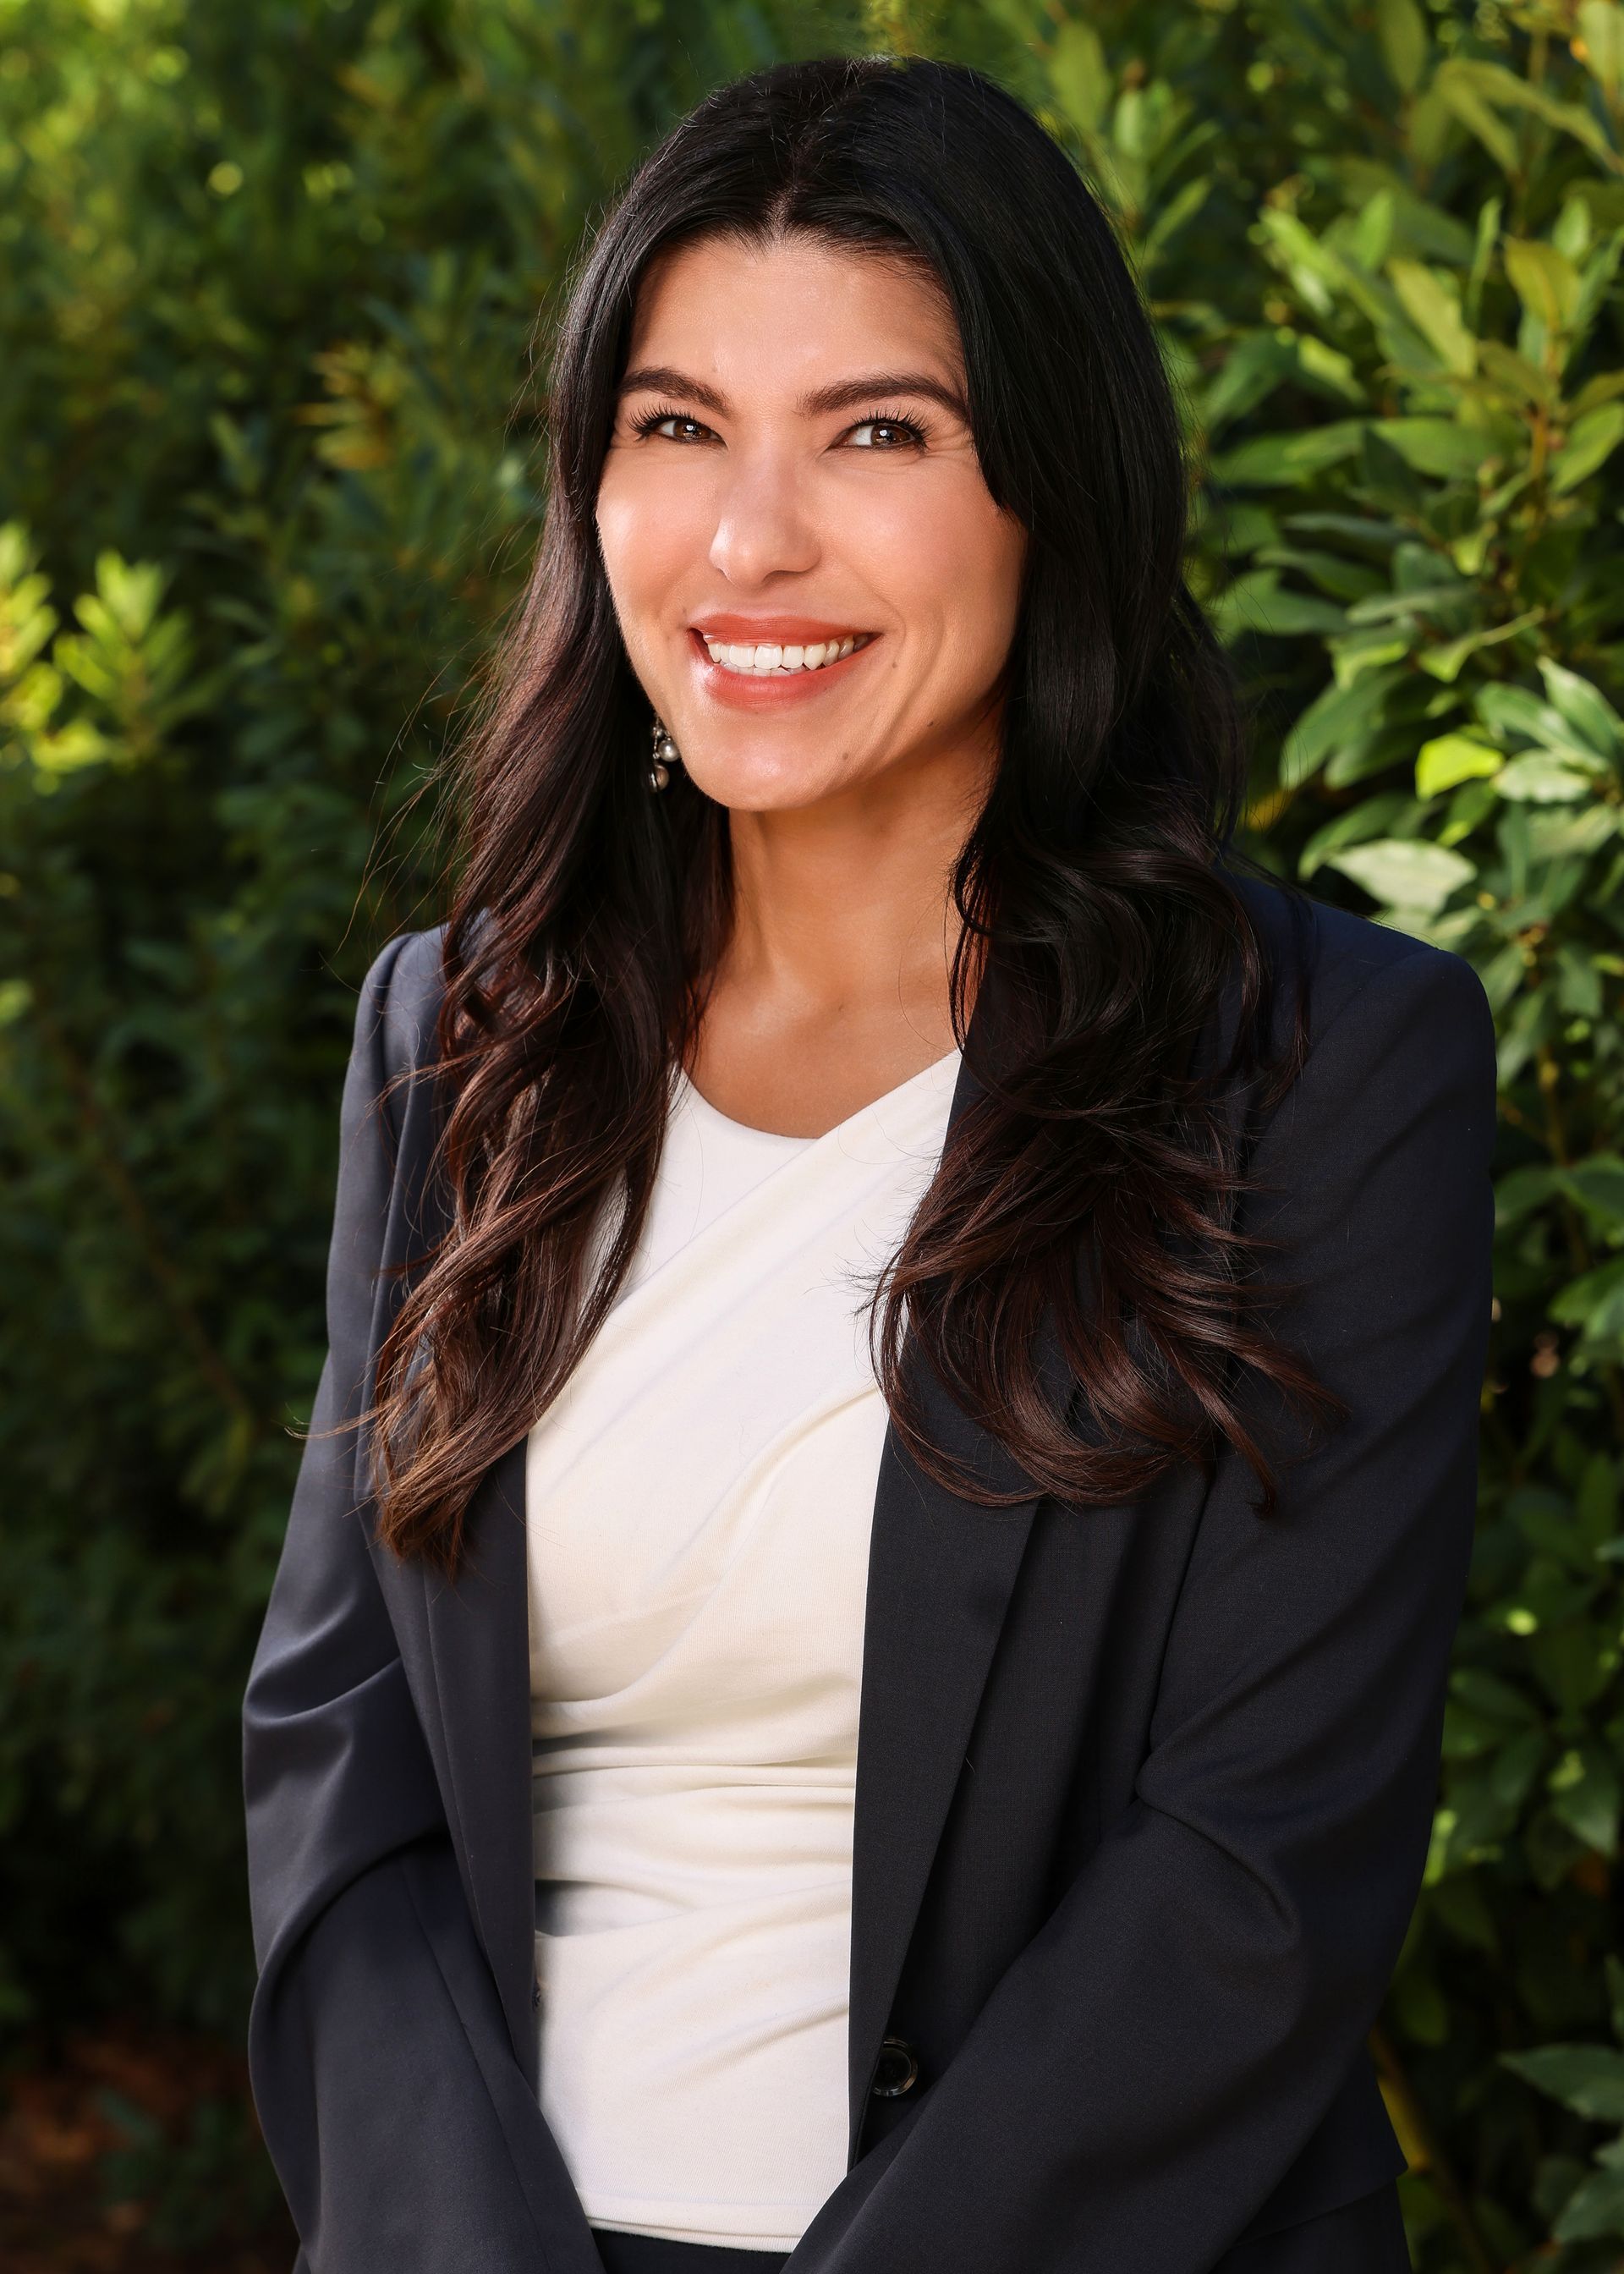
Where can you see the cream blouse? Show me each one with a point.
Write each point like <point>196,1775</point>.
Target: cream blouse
<point>699,1503</point>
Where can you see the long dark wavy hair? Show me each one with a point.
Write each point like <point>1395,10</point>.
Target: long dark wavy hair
<point>589,914</point>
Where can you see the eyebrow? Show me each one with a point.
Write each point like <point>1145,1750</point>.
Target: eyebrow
<point>843,395</point>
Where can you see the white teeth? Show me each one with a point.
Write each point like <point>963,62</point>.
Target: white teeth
<point>768,659</point>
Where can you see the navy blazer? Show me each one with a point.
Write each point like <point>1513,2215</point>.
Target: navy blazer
<point>1143,1792</point>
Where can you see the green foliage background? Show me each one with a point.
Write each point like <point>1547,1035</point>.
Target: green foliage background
<point>269,454</point>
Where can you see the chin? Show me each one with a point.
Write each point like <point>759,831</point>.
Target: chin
<point>763,785</point>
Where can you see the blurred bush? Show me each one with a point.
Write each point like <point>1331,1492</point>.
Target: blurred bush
<point>268,434</point>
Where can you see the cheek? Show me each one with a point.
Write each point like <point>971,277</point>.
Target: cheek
<point>946,558</point>
<point>644,544</point>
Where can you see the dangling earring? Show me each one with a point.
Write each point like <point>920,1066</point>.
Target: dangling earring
<point>665,756</point>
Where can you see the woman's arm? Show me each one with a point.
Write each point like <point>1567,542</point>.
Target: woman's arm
<point>1146,2071</point>
<point>402,2131</point>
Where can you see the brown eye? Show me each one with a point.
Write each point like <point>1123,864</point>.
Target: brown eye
<point>907,435</point>
<point>651,421</point>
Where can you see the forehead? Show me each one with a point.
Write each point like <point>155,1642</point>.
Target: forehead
<point>782,312</point>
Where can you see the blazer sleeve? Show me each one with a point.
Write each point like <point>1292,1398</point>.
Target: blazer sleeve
<point>401,2128</point>
<point>1148,2069</point>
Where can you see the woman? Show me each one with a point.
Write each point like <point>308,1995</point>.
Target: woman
<point>724,1790</point>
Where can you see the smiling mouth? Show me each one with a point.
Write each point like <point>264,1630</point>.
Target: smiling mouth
<point>775,659</point>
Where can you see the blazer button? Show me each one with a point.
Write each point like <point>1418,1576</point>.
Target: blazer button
<point>898,2069</point>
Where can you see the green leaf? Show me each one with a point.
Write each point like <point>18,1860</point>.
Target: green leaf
<point>1344,579</point>
<point>1562,834</point>
<point>1181,208</point>
<point>1360,822</point>
<point>1445,661</point>
<point>1434,307</point>
<point>1584,708</point>
<point>1583,1788</point>
<point>1572,230</point>
<point>126,597</point>
<point>1404,872</point>
<point>1578,983</point>
<point>1426,600</point>
<point>1548,1521</point>
<point>1451,758</point>
<point>1598,1184</point>
<point>1377,537</point>
<point>1592,441</point>
<point>1546,283</point>
<point>1589,2078</point>
<point>1470,806</point>
<point>1594,1300</point>
<point>1369,240</point>
<point>1601,44</point>
<point>1597,1503</point>
<point>1463,101</point>
<point>1401,27</point>
<point>1256,364</point>
<point>1543,778</point>
<point>1606,387</point>
<point>1079,74</point>
<point>1339,718</point>
<point>1502,976</point>
<point>1367,648</point>
<point>1594,2210</point>
<point>1278,461</point>
<point>1487,1693</point>
<point>1528,1187</point>
<point>1523,380</point>
<point>1515,1766</point>
<point>1259,604</point>
<point>1327,369</point>
<point>1440,447</point>
<point>1505,708</point>
<point>1492,84</point>
<point>1485,240</point>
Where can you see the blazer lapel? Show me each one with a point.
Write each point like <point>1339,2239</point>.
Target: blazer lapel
<point>479,1632</point>
<point>941,1572</point>
<point>465,1645</point>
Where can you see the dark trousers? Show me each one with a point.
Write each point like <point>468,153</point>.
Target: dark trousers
<point>651,2253</point>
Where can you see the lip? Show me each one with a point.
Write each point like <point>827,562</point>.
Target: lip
<point>786,631</point>
<point>772,692</point>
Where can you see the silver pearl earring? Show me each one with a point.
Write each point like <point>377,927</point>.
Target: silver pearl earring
<point>665,756</point>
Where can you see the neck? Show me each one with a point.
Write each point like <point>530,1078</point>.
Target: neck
<point>846,908</point>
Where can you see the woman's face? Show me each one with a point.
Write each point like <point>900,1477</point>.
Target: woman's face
<point>791,468</point>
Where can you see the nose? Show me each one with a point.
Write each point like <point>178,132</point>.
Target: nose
<point>763,526</point>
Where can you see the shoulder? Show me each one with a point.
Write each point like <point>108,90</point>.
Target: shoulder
<point>1400,1075</point>
<point>1359,973</point>
<point>401,998</point>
